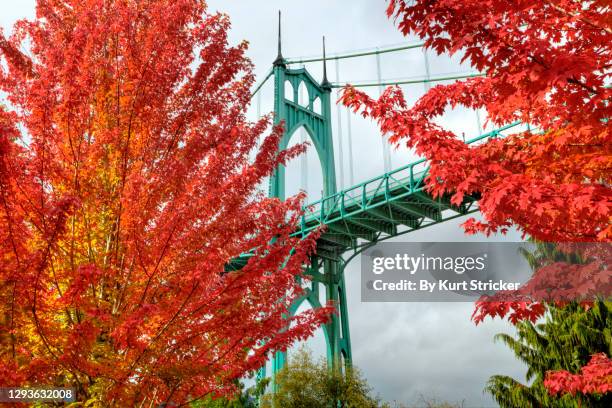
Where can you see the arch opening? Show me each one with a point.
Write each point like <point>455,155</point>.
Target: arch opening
<point>316,106</point>
<point>289,91</point>
<point>303,96</point>
<point>305,172</point>
<point>317,343</point>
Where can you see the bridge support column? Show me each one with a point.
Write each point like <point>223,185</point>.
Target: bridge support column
<point>336,331</point>
<point>338,344</point>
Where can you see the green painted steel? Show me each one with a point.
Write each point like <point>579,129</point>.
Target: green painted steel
<point>315,117</point>
<point>296,116</point>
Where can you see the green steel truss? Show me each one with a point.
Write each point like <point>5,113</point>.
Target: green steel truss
<point>392,204</point>
<point>385,206</point>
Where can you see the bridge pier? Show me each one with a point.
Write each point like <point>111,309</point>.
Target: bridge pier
<point>330,275</point>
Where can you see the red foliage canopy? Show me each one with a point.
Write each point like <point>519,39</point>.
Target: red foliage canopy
<point>126,187</point>
<point>555,283</point>
<point>543,64</point>
<point>594,378</point>
<point>547,64</point>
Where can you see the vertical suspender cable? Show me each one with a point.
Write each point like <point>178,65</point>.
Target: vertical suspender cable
<point>385,145</point>
<point>427,71</point>
<point>339,124</point>
<point>258,104</point>
<point>304,156</point>
<point>261,187</point>
<point>478,123</point>
<point>350,147</point>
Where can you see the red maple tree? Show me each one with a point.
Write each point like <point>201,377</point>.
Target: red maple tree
<point>546,64</point>
<point>126,187</point>
<point>594,378</point>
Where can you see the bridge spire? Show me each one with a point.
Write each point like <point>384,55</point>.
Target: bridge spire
<point>279,61</point>
<point>325,83</point>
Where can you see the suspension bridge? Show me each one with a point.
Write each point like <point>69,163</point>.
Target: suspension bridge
<point>392,204</point>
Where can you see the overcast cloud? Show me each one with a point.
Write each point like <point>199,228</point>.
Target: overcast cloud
<point>404,349</point>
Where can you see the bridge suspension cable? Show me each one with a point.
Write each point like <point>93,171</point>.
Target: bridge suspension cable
<point>384,139</point>
<point>262,83</point>
<point>425,80</point>
<point>303,157</point>
<point>350,146</point>
<point>407,81</point>
<point>427,70</point>
<point>354,54</point>
<point>339,125</point>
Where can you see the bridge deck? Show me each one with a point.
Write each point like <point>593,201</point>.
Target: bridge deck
<point>393,203</point>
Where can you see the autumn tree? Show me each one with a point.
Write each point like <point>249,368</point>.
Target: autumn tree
<point>126,188</point>
<point>546,64</point>
<point>304,382</point>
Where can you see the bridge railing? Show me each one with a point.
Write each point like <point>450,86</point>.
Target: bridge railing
<point>367,194</point>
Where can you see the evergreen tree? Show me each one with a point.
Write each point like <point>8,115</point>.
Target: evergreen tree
<point>564,341</point>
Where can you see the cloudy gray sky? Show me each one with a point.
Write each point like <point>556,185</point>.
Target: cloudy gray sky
<point>406,350</point>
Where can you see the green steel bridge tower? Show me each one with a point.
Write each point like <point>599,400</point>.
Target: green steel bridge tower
<point>325,271</point>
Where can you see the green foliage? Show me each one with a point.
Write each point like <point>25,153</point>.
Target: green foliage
<point>244,399</point>
<point>433,403</point>
<point>304,383</point>
<point>565,340</point>
<point>547,252</point>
